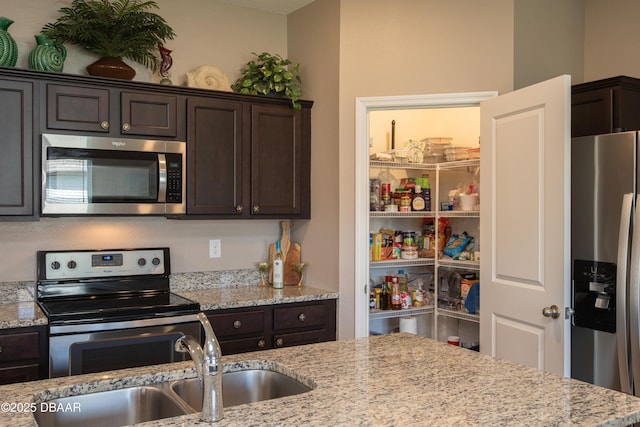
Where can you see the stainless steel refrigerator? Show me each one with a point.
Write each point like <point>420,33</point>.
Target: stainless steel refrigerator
<point>605,255</point>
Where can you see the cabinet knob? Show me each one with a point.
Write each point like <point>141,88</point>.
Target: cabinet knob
<point>279,342</point>
<point>256,209</point>
<point>237,324</point>
<point>238,208</point>
<point>126,127</point>
<point>104,125</point>
<point>302,317</point>
<point>261,344</point>
<point>0,349</point>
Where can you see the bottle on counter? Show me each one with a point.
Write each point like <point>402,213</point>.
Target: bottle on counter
<point>396,297</point>
<point>278,268</point>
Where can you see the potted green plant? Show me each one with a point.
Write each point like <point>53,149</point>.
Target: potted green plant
<point>113,29</point>
<point>270,74</point>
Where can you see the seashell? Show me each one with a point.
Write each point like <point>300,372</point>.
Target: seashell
<point>208,77</point>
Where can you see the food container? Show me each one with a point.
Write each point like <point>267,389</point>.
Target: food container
<point>468,201</point>
<point>434,149</point>
<point>452,154</point>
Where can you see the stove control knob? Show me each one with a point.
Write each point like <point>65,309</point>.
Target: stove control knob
<point>71,265</point>
<point>155,261</point>
<point>142,262</point>
<point>55,265</point>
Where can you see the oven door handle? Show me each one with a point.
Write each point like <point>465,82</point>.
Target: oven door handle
<point>162,178</point>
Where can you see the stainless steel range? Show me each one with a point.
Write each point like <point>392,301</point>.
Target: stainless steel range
<point>111,309</point>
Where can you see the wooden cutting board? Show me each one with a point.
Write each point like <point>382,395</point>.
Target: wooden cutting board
<point>291,254</point>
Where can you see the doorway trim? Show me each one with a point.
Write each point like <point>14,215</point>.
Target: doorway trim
<point>363,106</point>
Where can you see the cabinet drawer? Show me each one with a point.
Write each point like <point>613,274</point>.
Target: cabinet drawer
<point>300,338</point>
<point>17,374</point>
<point>240,323</point>
<point>243,345</point>
<point>19,347</point>
<point>299,317</point>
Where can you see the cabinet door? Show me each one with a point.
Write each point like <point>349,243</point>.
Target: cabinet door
<point>148,114</point>
<point>216,157</point>
<point>17,159</point>
<point>592,112</point>
<point>279,162</point>
<point>23,355</point>
<point>77,108</point>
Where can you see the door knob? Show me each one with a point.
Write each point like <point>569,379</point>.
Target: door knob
<point>553,312</point>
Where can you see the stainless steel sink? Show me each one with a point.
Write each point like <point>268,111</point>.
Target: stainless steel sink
<point>111,408</point>
<point>163,400</point>
<point>241,387</point>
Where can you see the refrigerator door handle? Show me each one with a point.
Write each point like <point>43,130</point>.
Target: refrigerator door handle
<point>633,304</point>
<point>623,283</point>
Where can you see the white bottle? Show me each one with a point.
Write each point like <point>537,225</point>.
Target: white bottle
<point>278,268</point>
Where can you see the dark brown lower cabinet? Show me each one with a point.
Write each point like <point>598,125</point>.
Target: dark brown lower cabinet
<point>23,354</point>
<point>249,329</point>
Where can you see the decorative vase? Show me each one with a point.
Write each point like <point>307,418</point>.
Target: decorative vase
<point>111,66</point>
<point>48,55</point>
<point>8,46</point>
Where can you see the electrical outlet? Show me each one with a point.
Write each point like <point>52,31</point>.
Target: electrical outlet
<point>215,249</point>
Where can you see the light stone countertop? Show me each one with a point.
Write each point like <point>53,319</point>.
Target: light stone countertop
<point>252,296</point>
<point>387,380</point>
<point>212,289</point>
<point>18,308</point>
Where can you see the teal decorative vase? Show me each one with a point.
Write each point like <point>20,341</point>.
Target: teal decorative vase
<point>48,55</point>
<point>8,47</point>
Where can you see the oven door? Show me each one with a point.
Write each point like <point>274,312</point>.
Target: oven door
<point>116,348</point>
<point>91,175</point>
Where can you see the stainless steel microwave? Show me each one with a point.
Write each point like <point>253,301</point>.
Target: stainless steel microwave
<point>84,175</point>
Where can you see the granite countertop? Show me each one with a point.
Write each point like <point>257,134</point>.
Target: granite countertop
<point>239,288</point>
<point>251,296</point>
<point>213,290</point>
<point>18,308</point>
<point>387,380</point>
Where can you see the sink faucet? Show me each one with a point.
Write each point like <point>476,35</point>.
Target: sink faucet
<point>208,362</point>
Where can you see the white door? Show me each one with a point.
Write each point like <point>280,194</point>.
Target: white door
<point>525,225</point>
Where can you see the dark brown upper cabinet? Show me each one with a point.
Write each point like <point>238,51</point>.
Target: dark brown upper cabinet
<point>605,106</point>
<point>247,156</point>
<point>18,160</point>
<point>111,111</point>
<point>248,159</point>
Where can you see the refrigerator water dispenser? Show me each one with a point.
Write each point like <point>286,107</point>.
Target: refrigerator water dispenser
<point>594,295</point>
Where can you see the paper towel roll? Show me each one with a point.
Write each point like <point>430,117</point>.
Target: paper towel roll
<point>409,325</point>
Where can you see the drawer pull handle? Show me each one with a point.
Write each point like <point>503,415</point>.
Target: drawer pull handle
<point>126,127</point>
<point>302,317</point>
<point>237,324</point>
<point>261,344</point>
<point>104,125</point>
<point>279,342</point>
<point>256,209</point>
<point>239,208</point>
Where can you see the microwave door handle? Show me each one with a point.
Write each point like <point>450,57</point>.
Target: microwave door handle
<point>162,178</point>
